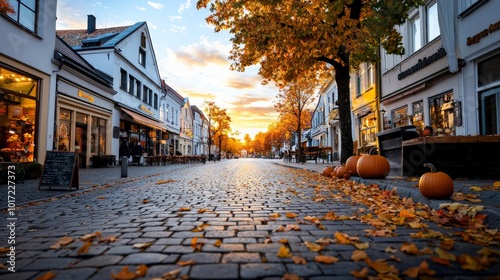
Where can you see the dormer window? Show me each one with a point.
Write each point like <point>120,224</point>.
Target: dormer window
<point>143,40</point>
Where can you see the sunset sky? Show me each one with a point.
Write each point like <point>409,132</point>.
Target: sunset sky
<point>191,57</point>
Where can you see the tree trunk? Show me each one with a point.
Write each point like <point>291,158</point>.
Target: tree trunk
<point>342,77</point>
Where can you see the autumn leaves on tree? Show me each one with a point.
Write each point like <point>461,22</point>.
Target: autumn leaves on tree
<point>291,40</point>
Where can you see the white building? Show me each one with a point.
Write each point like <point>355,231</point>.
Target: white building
<point>186,136</point>
<point>479,45</point>
<point>125,53</point>
<point>27,105</point>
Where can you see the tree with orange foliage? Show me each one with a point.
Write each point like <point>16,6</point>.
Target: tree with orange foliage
<point>6,8</point>
<point>292,101</point>
<point>291,38</point>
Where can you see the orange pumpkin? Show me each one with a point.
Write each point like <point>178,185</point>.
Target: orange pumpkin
<point>373,166</point>
<point>351,163</point>
<point>327,171</point>
<point>341,171</point>
<point>435,184</point>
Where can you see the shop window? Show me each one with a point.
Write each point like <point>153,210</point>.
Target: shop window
<point>441,114</point>
<point>418,115</point>
<point>81,118</point>
<point>400,116</point>
<point>18,107</point>
<point>98,136</point>
<point>24,13</point>
<point>488,71</point>
<point>64,131</point>
<point>368,126</point>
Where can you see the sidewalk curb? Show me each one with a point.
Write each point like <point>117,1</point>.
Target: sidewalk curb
<point>492,214</point>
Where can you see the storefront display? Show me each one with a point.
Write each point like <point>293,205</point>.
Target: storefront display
<point>18,109</point>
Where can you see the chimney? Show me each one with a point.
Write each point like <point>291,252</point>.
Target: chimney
<point>90,24</point>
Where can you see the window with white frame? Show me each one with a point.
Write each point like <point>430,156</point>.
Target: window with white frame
<point>415,34</point>
<point>369,75</point>
<point>358,84</point>
<point>423,26</point>
<point>432,22</point>
<point>24,13</point>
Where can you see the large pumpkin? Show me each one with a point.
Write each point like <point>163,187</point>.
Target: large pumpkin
<point>434,184</point>
<point>373,166</point>
<point>351,163</point>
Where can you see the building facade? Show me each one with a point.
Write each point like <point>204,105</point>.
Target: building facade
<point>26,87</point>
<point>478,42</point>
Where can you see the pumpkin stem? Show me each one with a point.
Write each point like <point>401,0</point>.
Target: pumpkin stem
<point>371,150</point>
<point>431,166</point>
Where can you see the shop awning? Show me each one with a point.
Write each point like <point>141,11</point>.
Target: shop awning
<point>143,120</point>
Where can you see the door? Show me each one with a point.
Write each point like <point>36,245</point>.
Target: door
<point>81,141</point>
<point>490,113</point>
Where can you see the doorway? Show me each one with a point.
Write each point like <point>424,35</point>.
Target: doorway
<point>81,142</point>
<point>490,115</point>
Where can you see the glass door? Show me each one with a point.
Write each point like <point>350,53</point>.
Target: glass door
<point>490,113</point>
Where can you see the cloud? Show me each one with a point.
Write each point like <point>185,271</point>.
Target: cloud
<point>140,8</point>
<point>245,100</point>
<point>175,18</point>
<point>177,29</point>
<point>184,6</point>
<point>156,5</point>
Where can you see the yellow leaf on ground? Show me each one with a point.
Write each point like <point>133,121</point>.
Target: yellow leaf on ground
<point>299,260</point>
<point>184,263</point>
<point>274,215</point>
<point>446,244</point>
<point>289,276</point>
<point>124,274</point>
<point>142,245</point>
<point>171,275</point>
<point>362,274</point>
<point>361,246</point>
<point>62,242</point>
<point>185,209</point>
<point>47,276</point>
<point>486,251</point>
<point>284,252</point>
<point>406,214</point>
<point>475,188</point>
<point>445,255</point>
<point>380,266</point>
<point>326,259</point>
<point>85,248</point>
<point>291,215</point>
<point>409,248</point>
<point>467,262</point>
<point>313,246</point>
<point>496,184</point>
<point>359,255</point>
<point>217,243</point>
<point>141,271</point>
<point>342,238</point>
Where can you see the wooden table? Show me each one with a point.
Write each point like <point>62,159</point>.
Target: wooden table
<point>458,156</point>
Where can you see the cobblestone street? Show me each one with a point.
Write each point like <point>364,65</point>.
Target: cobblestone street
<point>224,220</point>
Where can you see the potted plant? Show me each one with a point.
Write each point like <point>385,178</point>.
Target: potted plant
<point>33,170</point>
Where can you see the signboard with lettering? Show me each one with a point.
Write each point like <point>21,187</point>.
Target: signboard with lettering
<point>60,169</point>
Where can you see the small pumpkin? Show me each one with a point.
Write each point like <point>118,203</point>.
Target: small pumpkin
<point>347,176</point>
<point>435,184</point>
<point>341,171</point>
<point>327,171</point>
<point>373,166</point>
<point>351,163</point>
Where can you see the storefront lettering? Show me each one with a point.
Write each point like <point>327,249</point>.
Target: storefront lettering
<point>477,38</point>
<point>423,63</point>
<point>146,109</point>
<point>86,96</point>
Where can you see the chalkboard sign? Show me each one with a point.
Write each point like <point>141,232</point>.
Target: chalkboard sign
<point>60,169</point>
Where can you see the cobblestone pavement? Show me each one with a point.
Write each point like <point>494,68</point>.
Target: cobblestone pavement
<point>223,216</point>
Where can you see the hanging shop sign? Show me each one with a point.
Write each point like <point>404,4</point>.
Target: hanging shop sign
<point>422,63</point>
